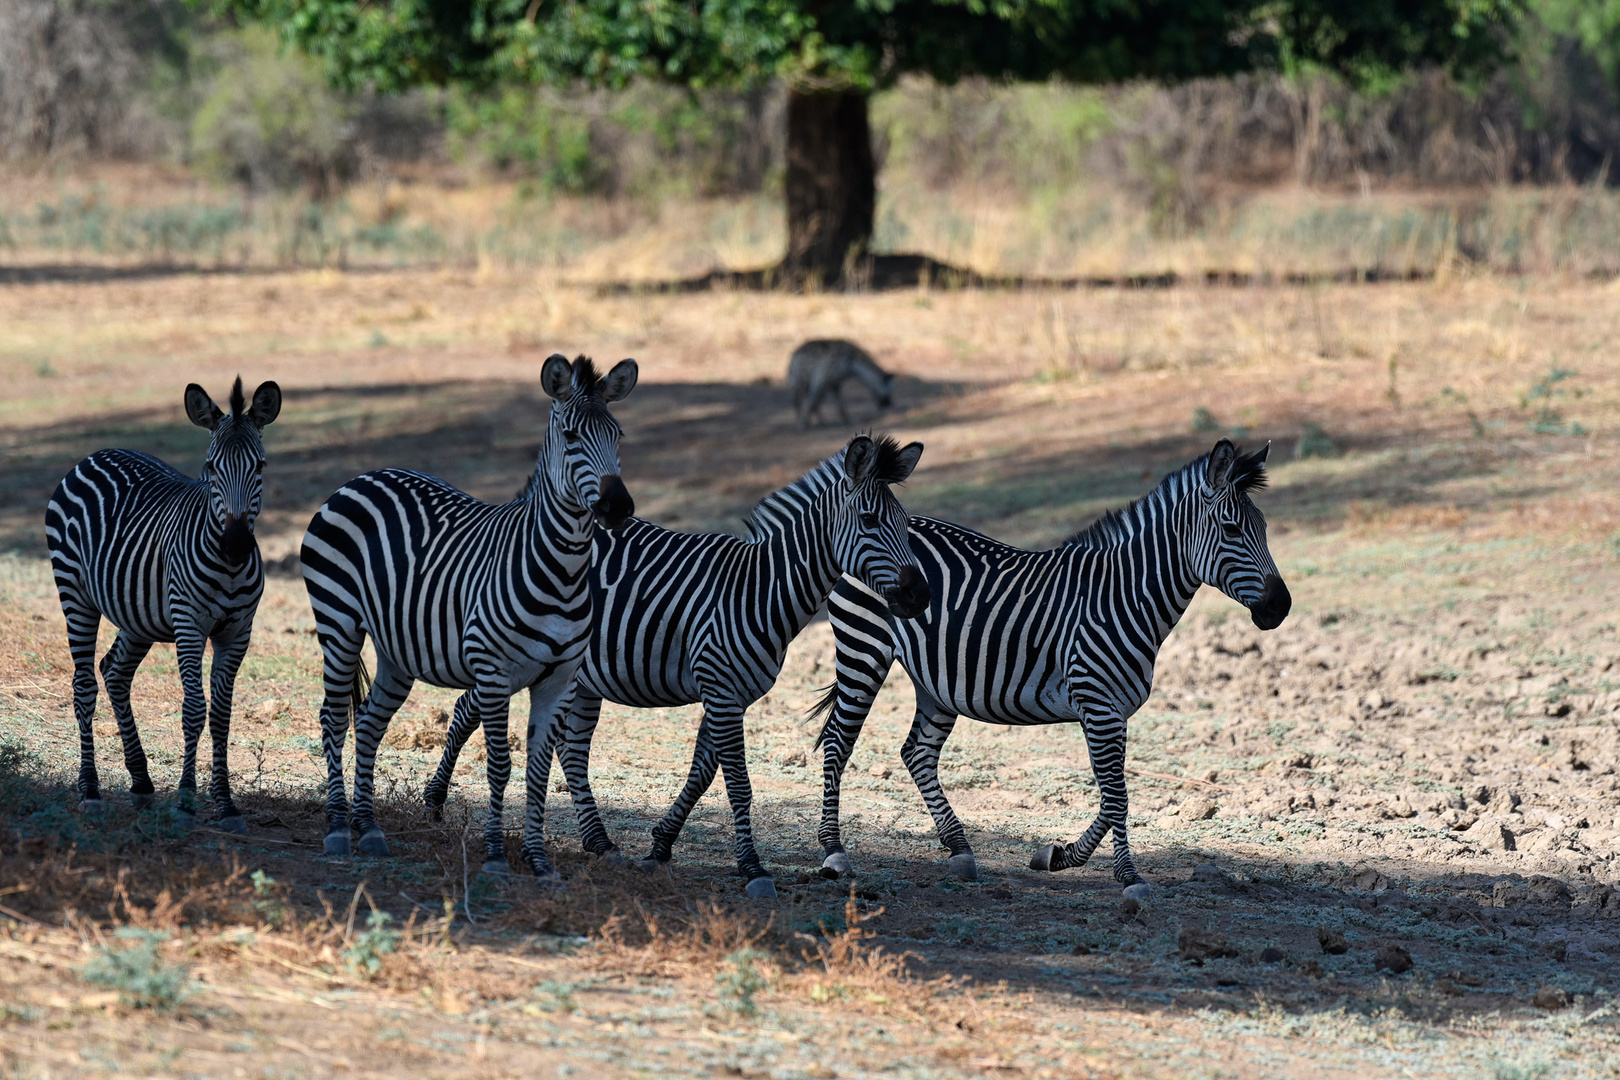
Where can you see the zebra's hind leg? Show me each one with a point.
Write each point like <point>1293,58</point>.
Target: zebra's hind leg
<point>574,755</point>
<point>82,626</point>
<point>705,761</point>
<point>462,725</point>
<point>341,665</point>
<point>1105,739</point>
<point>929,730</point>
<point>388,693</point>
<point>865,652</point>
<point>117,672</point>
<point>228,654</point>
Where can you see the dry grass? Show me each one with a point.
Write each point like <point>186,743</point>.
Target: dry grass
<point>1452,555</point>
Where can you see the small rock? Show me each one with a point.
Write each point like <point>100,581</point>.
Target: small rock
<point>1198,808</point>
<point>1370,880</point>
<point>266,711</point>
<point>1550,997</point>
<point>1396,959</point>
<point>1466,978</point>
<point>882,772</point>
<point>1272,955</point>
<point>796,759</point>
<point>1080,949</point>
<point>1312,968</point>
<point>1400,808</point>
<point>1196,946</point>
<point>1210,874</point>
<point>1446,987</point>
<point>1332,942</point>
<point>1493,835</point>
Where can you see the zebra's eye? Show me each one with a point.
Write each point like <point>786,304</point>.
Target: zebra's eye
<point>869,520</point>
<point>571,436</point>
<point>258,467</point>
<point>1231,530</point>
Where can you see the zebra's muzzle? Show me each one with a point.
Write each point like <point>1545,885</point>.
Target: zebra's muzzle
<point>910,595</point>
<point>237,542</point>
<point>614,506</point>
<point>1272,608</point>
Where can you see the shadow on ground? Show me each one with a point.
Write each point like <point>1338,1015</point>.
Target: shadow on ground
<point>696,456</point>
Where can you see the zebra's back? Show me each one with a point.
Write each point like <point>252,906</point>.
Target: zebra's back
<point>418,564</point>
<point>995,642</point>
<point>113,527</point>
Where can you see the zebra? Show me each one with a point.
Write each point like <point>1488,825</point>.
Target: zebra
<point>819,368</point>
<point>686,618</point>
<point>462,593</point>
<point>164,557</point>
<point>1048,637</point>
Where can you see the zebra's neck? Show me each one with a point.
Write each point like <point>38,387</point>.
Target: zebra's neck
<point>790,533</point>
<point>554,521</point>
<point>1142,545</point>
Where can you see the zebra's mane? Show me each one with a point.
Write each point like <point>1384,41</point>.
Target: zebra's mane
<point>585,375</point>
<point>766,519</point>
<point>238,402</point>
<point>1116,527</point>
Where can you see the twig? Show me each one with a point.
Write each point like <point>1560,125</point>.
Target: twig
<point>1178,779</point>
<point>9,889</point>
<point>466,893</point>
<point>20,917</point>
<point>248,839</point>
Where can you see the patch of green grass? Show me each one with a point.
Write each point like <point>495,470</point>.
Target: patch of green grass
<point>142,978</point>
<point>740,980</point>
<point>365,953</point>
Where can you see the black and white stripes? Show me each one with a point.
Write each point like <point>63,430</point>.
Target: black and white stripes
<point>164,558</point>
<point>462,593</point>
<point>1026,637</point>
<point>683,618</point>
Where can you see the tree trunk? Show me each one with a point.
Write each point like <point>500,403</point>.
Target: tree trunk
<point>831,184</point>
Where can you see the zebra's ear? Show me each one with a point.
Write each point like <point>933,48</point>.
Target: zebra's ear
<point>201,408</point>
<point>860,458</point>
<point>620,381</point>
<point>1219,471</point>
<point>266,405</point>
<point>557,378</point>
<point>905,461</point>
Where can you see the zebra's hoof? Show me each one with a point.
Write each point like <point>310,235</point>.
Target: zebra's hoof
<point>613,857</point>
<point>141,800</point>
<point>235,824</point>
<point>1044,858</point>
<point>337,843</point>
<point>836,866</point>
<point>650,865</point>
<point>550,882</point>
<point>373,843</point>
<point>499,867</point>
<point>964,866</point>
<point>90,806</point>
<point>761,888</point>
<point>1138,891</point>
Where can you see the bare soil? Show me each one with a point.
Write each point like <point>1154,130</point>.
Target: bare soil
<point>1418,766</point>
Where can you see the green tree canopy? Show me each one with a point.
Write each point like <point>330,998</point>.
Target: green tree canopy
<point>834,53</point>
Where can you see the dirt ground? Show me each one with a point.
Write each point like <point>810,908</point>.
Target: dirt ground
<point>1418,766</point>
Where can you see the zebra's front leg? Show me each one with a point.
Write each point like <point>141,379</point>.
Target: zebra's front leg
<point>549,701</point>
<point>117,672</point>
<point>493,705</point>
<point>929,730</point>
<point>188,650</point>
<point>462,725</point>
<point>388,692</point>
<point>1105,739</point>
<point>732,751</point>
<point>705,761</point>
<point>574,755</point>
<point>228,656</point>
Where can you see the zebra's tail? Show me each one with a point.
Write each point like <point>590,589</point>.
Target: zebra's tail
<point>361,688</point>
<point>824,707</point>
